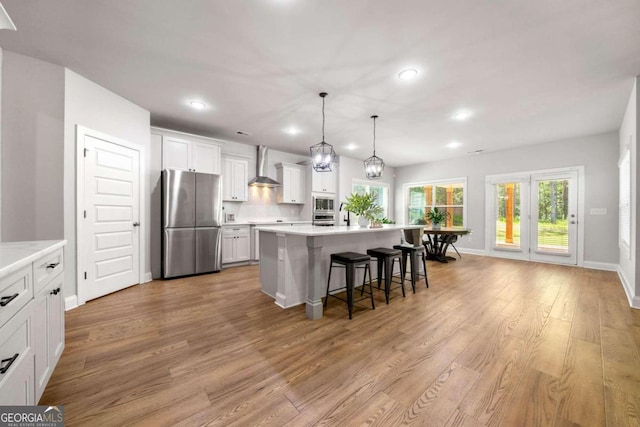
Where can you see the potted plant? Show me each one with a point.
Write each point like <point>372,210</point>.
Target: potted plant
<point>437,217</point>
<point>363,205</point>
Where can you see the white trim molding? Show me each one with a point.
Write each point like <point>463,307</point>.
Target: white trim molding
<point>634,301</point>
<point>469,251</point>
<point>70,302</point>
<point>147,277</point>
<point>606,266</point>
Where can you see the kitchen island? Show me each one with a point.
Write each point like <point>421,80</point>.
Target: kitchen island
<point>294,261</point>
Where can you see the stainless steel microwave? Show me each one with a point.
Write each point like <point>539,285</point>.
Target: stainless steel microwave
<point>323,204</point>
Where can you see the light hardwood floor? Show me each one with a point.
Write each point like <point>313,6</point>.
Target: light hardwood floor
<point>491,342</point>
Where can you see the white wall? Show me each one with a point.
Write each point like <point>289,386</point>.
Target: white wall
<point>92,106</point>
<point>32,135</point>
<point>628,139</point>
<point>351,169</point>
<point>597,153</point>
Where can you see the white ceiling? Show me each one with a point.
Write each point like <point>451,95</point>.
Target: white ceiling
<point>530,71</point>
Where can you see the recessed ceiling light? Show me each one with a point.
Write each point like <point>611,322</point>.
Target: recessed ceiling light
<point>462,115</point>
<point>454,144</point>
<point>408,74</point>
<point>198,105</point>
<point>292,131</point>
<point>351,146</point>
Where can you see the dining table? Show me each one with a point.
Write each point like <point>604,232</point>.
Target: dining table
<point>439,239</point>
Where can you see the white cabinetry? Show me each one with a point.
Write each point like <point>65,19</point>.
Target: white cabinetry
<point>235,179</point>
<point>324,182</point>
<point>31,320</point>
<point>236,245</point>
<point>48,321</point>
<point>292,179</point>
<point>189,152</point>
<point>190,156</point>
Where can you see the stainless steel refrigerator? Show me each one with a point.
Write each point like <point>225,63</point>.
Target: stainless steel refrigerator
<point>191,220</point>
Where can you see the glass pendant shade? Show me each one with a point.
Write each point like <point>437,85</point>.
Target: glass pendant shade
<point>322,154</point>
<point>374,165</point>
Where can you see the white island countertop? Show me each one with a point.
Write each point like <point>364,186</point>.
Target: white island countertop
<point>15,255</point>
<point>315,230</point>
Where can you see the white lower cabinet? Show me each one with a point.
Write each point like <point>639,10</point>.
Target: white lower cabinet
<point>48,336</point>
<point>236,245</point>
<point>32,338</point>
<point>16,354</point>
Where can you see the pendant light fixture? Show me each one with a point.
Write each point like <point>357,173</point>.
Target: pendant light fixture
<point>374,165</point>
<point>322,154</point>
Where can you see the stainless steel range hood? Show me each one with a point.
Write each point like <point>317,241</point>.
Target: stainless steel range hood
<point>261,179</point>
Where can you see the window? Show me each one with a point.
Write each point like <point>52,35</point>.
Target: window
<point>380,190</point>
<point>625,200</point>
<point>448,195</point>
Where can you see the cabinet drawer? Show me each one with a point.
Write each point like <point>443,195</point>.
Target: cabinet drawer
<point>16,353</point>
<point>235,231</point>
<point>46,268</point>
<point>16,290</point>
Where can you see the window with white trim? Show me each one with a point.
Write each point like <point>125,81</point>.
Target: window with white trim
<point>379,189</point>
<point>625,200</point>
<point>447,195</point>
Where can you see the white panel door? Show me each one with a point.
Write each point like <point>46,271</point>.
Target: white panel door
<point>111,227</point>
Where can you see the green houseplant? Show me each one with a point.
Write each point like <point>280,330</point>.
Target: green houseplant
<point>437,217</point>
<point>363,205</point>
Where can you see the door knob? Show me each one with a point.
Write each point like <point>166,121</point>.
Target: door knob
<point>573,222</point>
<point>136,224</point>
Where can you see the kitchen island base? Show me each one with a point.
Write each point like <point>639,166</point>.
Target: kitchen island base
<point>294,263</point>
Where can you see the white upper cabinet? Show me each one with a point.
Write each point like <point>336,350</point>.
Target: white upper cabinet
<point>206,158</point>
<point>324,182</point>
<point>187,154</point>
<point>292,178</point>
<point>235,180</point>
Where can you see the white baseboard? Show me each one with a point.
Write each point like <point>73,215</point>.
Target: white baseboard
<point>70,302</point>
<point>633,300</point>
<point>468,251</point>
<point>147,277</point>
<point>606,266</point>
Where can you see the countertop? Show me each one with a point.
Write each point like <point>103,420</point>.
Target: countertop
<point>314,230</point>
<point>265,222</point>
<point>15,255</point>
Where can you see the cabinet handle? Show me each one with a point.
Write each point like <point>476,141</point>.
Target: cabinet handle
<point>53,265</point>
<point>6,300</point>
<point>5,368</point>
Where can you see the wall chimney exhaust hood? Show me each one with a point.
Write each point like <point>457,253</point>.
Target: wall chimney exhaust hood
<point>261,179</point>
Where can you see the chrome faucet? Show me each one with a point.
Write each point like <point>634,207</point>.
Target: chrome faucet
<point>348,218</point>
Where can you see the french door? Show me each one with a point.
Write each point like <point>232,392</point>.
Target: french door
<point>534,216</point>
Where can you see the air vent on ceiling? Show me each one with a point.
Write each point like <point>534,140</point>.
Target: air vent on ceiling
<point>243,133</point>
<point>476,152</point>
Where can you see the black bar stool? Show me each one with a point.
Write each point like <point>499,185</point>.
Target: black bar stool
<point>350,261</point>
<point>386,258</point>
<point>413,252</point>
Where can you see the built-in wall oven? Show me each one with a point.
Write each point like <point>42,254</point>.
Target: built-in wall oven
<point>323,211</point>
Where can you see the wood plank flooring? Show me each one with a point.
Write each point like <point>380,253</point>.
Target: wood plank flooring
<point>491,342</point>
